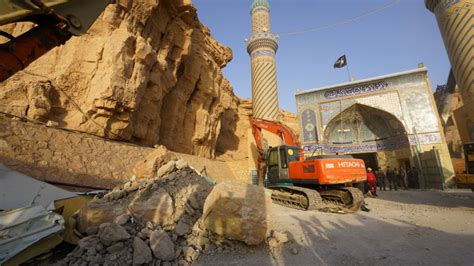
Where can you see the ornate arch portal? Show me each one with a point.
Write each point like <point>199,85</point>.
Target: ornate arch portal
<point>361,125</point>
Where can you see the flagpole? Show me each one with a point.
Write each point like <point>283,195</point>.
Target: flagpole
<point>348,72</point>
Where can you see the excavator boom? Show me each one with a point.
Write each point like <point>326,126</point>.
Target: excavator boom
<point>277,128</point>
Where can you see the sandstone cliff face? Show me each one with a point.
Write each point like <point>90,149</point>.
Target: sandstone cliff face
<point>147,72</point>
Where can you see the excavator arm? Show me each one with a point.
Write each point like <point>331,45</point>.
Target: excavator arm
<point>56,21</point>
<point>277,128</point>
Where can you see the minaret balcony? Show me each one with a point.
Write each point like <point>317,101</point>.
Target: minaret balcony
<point>262,40</point>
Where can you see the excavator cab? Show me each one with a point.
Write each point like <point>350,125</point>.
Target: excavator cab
<point>278,160</point>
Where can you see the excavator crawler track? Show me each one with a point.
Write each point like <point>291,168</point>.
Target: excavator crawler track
<point>337,200</point>
<point>343,199</point>
<point>296,197</point>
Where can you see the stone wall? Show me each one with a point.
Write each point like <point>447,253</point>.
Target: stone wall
<point>66,157</point>
<point>79,159</point>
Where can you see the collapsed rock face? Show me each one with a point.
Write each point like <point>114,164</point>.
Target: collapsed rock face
<point>147,72</point>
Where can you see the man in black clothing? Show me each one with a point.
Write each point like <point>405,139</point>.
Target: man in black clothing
<point>392,178</point>
<point>380,179</point>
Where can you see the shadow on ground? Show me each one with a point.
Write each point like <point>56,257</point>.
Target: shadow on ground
<point>355,239</point>
<point>450,198</point>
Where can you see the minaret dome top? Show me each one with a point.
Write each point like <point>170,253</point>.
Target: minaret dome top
<point>260,3</point>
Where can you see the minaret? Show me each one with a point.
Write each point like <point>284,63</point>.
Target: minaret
<point>455,21</point>
<point>262,46</point>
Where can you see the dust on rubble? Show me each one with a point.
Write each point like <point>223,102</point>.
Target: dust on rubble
<point>153,221</point>
<point>145,221</point>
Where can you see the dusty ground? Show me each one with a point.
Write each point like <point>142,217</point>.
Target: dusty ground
<point>402,228</point>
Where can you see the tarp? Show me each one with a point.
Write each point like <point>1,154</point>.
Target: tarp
<point>23,227</point>
<point>18,190</point>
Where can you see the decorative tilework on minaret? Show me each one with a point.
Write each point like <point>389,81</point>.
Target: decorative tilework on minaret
<point>262,46</point>
<point>456,24</point>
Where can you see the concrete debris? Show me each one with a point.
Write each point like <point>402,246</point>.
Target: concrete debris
<point>276,239</point>
<point>92,230</point>
<point>115,247</point>
<point>97,212</point>
<point>122,219</point>
<point>146,221</point>
<point>190,254</point>
<point>166,169</point>
<point>156,207</point>
<point>182,228</point>
<point>111,232</point>
<point>180,164</point>
<point>149,166</point>
<point>172,220</point>
<point>295,251</point>
<point>141,252</point>
<point>88,242</point>
<point>162,246</point>
<point>280,237</point>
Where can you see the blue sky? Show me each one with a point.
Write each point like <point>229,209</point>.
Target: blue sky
<point>392,40</point>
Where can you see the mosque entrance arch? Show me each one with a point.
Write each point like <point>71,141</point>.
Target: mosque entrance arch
<point>363,131</point>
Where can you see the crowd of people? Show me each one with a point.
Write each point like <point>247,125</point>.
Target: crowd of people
<point>391,178</point>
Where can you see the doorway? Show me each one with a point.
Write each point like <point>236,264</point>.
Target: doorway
<point>404,163</point>
<point>370,159</point>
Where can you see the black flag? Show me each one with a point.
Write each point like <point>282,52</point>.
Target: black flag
<point>341,62</point>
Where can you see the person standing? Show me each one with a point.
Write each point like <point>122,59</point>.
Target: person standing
<point>397,177</point>
<point>410,178</point>
<point>380,175</point>
<point>392,178</point>
<point>414,173</point>
<point>403,178</point>
<point>372,181</point>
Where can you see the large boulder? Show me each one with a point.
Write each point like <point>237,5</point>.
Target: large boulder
<point>237,211</point>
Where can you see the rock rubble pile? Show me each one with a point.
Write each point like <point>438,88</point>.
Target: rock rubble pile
<point>171,219</point>
<point>146,221</point>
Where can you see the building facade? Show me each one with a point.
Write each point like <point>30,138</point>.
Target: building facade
<point>387,121</point>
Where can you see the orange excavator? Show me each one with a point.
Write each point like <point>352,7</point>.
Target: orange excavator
<point>316,182</point>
